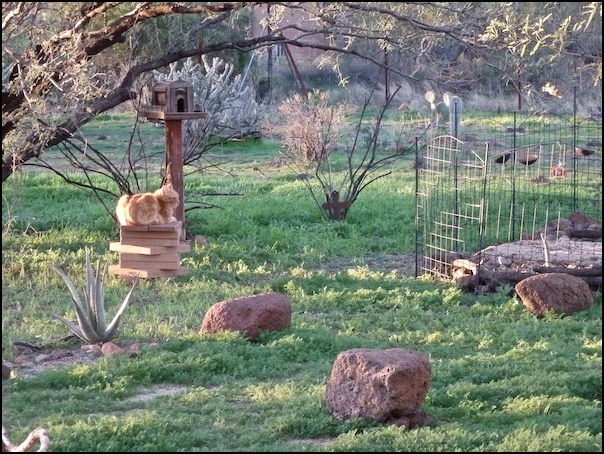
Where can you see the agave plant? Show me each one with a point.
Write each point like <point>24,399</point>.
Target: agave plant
<point>91,325</point>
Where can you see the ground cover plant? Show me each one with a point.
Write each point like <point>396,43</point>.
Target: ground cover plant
<point>501,380</point>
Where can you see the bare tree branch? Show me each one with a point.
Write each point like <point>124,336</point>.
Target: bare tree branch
<point>79,59</point>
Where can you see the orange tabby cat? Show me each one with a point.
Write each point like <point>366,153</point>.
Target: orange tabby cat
<point>148,208</point>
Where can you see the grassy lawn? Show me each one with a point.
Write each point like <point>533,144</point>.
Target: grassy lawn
<point>502,379</point>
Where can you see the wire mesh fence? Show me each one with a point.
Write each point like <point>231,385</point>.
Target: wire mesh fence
<point>512,194</point>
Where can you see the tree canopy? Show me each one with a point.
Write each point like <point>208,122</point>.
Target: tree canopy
<point>64,63</point>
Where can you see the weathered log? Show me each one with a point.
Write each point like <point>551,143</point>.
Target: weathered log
<point>490,280</point>
<point>580,272</point>
<point>465,264</point>
<point>594,282</point>
<point>592,234</point>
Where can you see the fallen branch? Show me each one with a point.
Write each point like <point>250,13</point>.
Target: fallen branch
<point>491,280</point>
<point>588,234</point>
<point>581,272</point>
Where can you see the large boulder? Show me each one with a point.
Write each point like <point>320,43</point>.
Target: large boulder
<point>249,315</point>
<point>384,385</point>
<point>559,292</point>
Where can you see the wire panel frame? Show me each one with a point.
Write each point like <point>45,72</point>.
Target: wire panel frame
<point>518,199</point>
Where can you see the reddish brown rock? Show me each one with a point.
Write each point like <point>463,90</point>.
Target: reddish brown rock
<point>383,385</point>
<point>249,315</point>
<point>6,369</point>
<point>558,292</point>
<point>578,218</point>
<point>109,348</point>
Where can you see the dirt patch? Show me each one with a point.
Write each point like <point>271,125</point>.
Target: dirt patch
<point>31,360</point>
<point>402,264</point>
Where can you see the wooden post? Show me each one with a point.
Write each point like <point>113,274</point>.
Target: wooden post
<point>174,167</point>
<point>172,102</point>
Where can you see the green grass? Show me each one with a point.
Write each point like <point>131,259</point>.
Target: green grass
<point>501,380</point>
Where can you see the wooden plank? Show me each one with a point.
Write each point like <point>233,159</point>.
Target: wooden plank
<point>134,228</point>
<point>147,265</point>
<point>172,234</point>
<point>146,274</point>
<point>149,242</point>
<point>171,227</point>
<point>149,250</point>
<point>156,258</point>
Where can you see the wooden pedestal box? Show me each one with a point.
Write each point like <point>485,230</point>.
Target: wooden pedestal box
<point>149,251</point>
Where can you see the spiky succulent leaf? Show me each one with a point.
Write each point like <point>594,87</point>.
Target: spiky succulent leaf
<point>113,326</point>
<point>92,318</point>
<point>86,326</point>
<point>90,292</point>
<point>96,297</point>
<point>75,296</point>
<point>101,321</point>
<point>86,330</point>
<point>90,337</point>
<point>82,313</point>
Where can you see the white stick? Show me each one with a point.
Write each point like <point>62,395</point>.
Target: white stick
<point>545,250</point>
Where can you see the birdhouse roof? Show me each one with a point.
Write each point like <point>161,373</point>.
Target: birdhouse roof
<point>173,84</point>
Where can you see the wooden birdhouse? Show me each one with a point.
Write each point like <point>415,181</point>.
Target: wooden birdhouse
<point>174,96</point>
<point>171,101</point>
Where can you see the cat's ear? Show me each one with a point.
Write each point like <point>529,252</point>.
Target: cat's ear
<point>162,190</point>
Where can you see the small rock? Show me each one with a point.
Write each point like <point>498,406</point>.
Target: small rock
<point>109,348</point>
<point>94,349</point>
<point>6,369</point>
<point>557,292</point>
<point>200,240</point>
<point>250,315</point>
